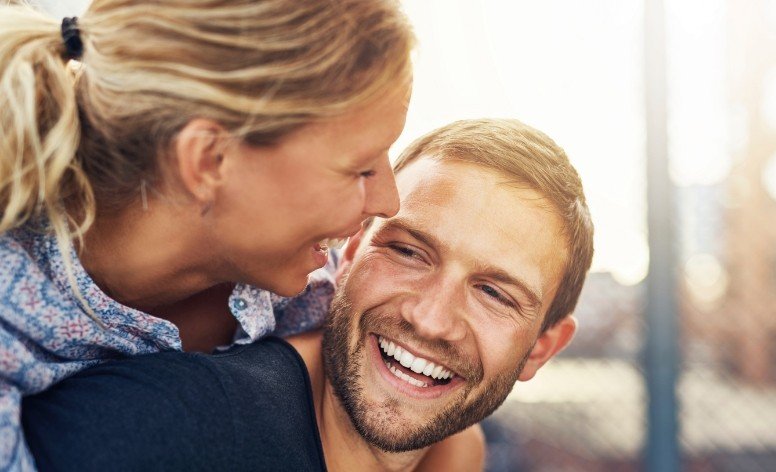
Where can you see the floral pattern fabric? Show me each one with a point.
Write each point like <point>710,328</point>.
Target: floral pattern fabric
<point>46,333</point>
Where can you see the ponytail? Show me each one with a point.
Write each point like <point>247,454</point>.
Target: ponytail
<point>72,141</point>
<point>39,134</point>
<point>39,172</point>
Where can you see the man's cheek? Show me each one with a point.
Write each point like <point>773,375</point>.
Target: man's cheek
<point>377,285</point>
<point>497,361</point>
<point>364,274</point>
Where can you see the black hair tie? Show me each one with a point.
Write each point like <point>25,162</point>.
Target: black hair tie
<point>71,36</point>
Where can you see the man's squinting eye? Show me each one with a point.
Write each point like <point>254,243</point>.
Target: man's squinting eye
<point>496,295</point>
<point>403,251</point>
<point>367,173</point>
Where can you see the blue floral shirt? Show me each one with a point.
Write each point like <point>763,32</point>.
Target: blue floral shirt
<point>46,333</point>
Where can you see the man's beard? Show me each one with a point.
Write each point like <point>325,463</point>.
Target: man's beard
<point>379,423</point>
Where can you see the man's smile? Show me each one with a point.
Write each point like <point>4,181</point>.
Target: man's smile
<point>415,363</point>
<point>409,372</point>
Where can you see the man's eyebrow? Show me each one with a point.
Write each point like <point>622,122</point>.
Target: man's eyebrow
<point>398,223</point>
<point>495,273</point>
<point>502,276</point>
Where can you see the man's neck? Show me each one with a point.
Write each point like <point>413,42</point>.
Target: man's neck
<point>343,446</point>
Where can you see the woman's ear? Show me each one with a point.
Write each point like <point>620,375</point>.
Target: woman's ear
<point>549,343</point>
<point>198,159</point>
<point>348,254</point>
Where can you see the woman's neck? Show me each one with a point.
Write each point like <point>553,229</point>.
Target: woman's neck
<point>147,259</point>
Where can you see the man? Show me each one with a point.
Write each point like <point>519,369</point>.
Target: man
<point>440,311</point>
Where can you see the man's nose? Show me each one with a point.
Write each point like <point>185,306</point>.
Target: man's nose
<point>382,197</point>
<point>437,311</point>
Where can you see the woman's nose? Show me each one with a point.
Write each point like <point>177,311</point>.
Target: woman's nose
<point>382,197</point>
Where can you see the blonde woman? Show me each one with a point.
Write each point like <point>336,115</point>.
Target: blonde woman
<point>163,167</point>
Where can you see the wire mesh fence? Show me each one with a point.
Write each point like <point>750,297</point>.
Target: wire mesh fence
<point>586,409</point>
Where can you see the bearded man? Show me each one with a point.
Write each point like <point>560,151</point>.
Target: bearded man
<point>440,310</point>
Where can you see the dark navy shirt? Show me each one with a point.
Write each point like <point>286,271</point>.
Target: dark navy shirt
<point>249,408</point>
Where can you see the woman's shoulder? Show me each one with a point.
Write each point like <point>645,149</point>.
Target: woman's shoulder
<point>27,258</point>
<point>16,241</point>
<point>29,318</point>
<point>19,267</point>
<point>25,252</point>
<point>35,311</point>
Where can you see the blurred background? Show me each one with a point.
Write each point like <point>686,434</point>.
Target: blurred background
<point>681,376</point>
<point>576,70</point>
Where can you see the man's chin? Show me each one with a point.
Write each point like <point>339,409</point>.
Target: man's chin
<point>393,422</point>
<point>391,419</point>
<point>389,413</point>
<point>385,428</point>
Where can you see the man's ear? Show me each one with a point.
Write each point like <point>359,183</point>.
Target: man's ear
<point>551,342</point>
<point>198,158</point>
<point>349,254</point>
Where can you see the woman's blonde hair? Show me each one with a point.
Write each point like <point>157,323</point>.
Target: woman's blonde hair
<point>88,136</point>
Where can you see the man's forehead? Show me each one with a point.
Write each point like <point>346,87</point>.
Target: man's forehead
<point>428,182</point>
<point>426,172</point>
<point>477,214</point>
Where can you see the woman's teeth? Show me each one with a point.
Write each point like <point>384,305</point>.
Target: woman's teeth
<point>413,363</point>
<point>333,243</point>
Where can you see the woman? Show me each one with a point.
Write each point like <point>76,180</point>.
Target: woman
<point>196,155</point>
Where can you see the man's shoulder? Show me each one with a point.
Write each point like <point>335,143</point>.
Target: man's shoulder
<point>270,391</point>
<point>308,345</point>
<point>246,406</point>
<point>271,360</point>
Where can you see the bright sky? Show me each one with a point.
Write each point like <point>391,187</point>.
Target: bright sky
<point>574,70</point>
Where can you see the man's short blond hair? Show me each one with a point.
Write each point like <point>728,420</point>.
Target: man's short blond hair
<point>529,157</point>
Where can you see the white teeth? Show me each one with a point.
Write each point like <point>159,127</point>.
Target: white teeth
<point>418,365</point>
<point>405,377</point>
<point>406,359</point>
<point>334,243</point>
<point>397,353</point>
<point>415,364</point>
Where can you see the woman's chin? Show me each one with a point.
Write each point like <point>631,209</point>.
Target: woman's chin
<point>289,287</point>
